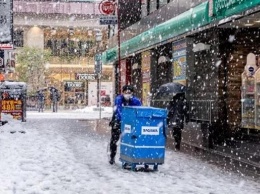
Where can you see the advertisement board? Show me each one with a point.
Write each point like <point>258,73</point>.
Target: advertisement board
<point>13,99</point>
<point>13,107</point>
<point>179,61</point>
<point>105,93</point>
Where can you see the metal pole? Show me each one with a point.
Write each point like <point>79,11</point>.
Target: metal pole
<point>99,78</point>
<point>99,71</point>
<point>98,90</point>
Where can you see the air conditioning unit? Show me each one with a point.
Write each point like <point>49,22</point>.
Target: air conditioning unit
<point>200,47</point>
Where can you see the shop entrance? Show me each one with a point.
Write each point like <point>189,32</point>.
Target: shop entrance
<point>164,71</point>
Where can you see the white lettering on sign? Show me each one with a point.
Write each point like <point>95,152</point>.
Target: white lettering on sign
<point>127,129</point>
<point>225,4</point>
<point>148,130</point>
<point>85,76</point>
<point>75,84</point>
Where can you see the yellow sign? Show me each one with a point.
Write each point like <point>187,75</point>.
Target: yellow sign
<point>11,106</point>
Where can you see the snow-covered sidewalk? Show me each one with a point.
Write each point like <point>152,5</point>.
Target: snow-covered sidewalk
<point>62,156</point>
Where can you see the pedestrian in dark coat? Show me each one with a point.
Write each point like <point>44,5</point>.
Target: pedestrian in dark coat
<point>177,114</point>
<point>125,99</point>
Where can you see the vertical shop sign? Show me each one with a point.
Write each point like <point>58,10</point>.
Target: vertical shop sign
<point>6,21</point>
<point>179,61</point>
<point>146,63</point>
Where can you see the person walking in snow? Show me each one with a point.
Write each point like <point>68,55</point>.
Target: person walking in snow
<point>41,100</point>
<point>177,113</point>
<point>125,99</point>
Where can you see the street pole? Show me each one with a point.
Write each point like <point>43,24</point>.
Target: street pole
<point>98,71</point>
<point>99,77</point>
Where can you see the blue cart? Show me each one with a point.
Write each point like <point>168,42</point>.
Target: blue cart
<point>143,136</point>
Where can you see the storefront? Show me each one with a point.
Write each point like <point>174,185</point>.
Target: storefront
<point>210,44</point>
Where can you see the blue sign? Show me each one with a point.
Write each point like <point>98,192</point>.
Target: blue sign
<point>108,20</point>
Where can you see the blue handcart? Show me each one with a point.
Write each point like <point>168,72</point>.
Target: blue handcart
<point>143,136</point>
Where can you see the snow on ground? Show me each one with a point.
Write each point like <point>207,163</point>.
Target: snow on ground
<point>55,157</point>
<point>91,112</point>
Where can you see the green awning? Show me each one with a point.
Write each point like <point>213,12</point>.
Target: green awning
<point>190,20</point>
<point>185,22</point>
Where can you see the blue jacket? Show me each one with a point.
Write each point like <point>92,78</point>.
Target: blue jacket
<point>120,102</point>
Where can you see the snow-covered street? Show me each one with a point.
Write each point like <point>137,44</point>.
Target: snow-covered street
<point>55,153</point>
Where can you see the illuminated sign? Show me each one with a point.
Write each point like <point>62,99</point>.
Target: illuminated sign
<point>11,106</point>
<point>85,76</point>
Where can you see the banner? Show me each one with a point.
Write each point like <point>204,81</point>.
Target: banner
<point>179,61</point>
<point>146,77</point>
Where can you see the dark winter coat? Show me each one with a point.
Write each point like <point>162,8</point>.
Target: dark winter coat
<point>41,97</point>
<point>177,112</point>
<point>119,103</point>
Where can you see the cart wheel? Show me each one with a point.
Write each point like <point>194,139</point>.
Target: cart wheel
<point>133,167</point>
<point>155,167</point>
<point>124,165</point>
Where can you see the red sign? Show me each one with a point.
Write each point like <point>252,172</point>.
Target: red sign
<point>6,46</point>
<point>107,7</point>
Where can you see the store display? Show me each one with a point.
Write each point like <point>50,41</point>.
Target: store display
<point>248,101</point>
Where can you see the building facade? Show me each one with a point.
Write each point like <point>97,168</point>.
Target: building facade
<point>69,31</point>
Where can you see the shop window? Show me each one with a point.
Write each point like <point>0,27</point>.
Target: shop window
<point>74,92</point>
<point>64,42</point>
<point>63,46</point>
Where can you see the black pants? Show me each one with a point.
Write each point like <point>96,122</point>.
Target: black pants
<point>176,132</point>
<point>115,134</point>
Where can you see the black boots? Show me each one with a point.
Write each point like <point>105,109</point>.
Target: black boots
<point>112,161</point>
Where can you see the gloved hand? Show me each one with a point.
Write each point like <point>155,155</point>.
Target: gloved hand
<point>116,125</point>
